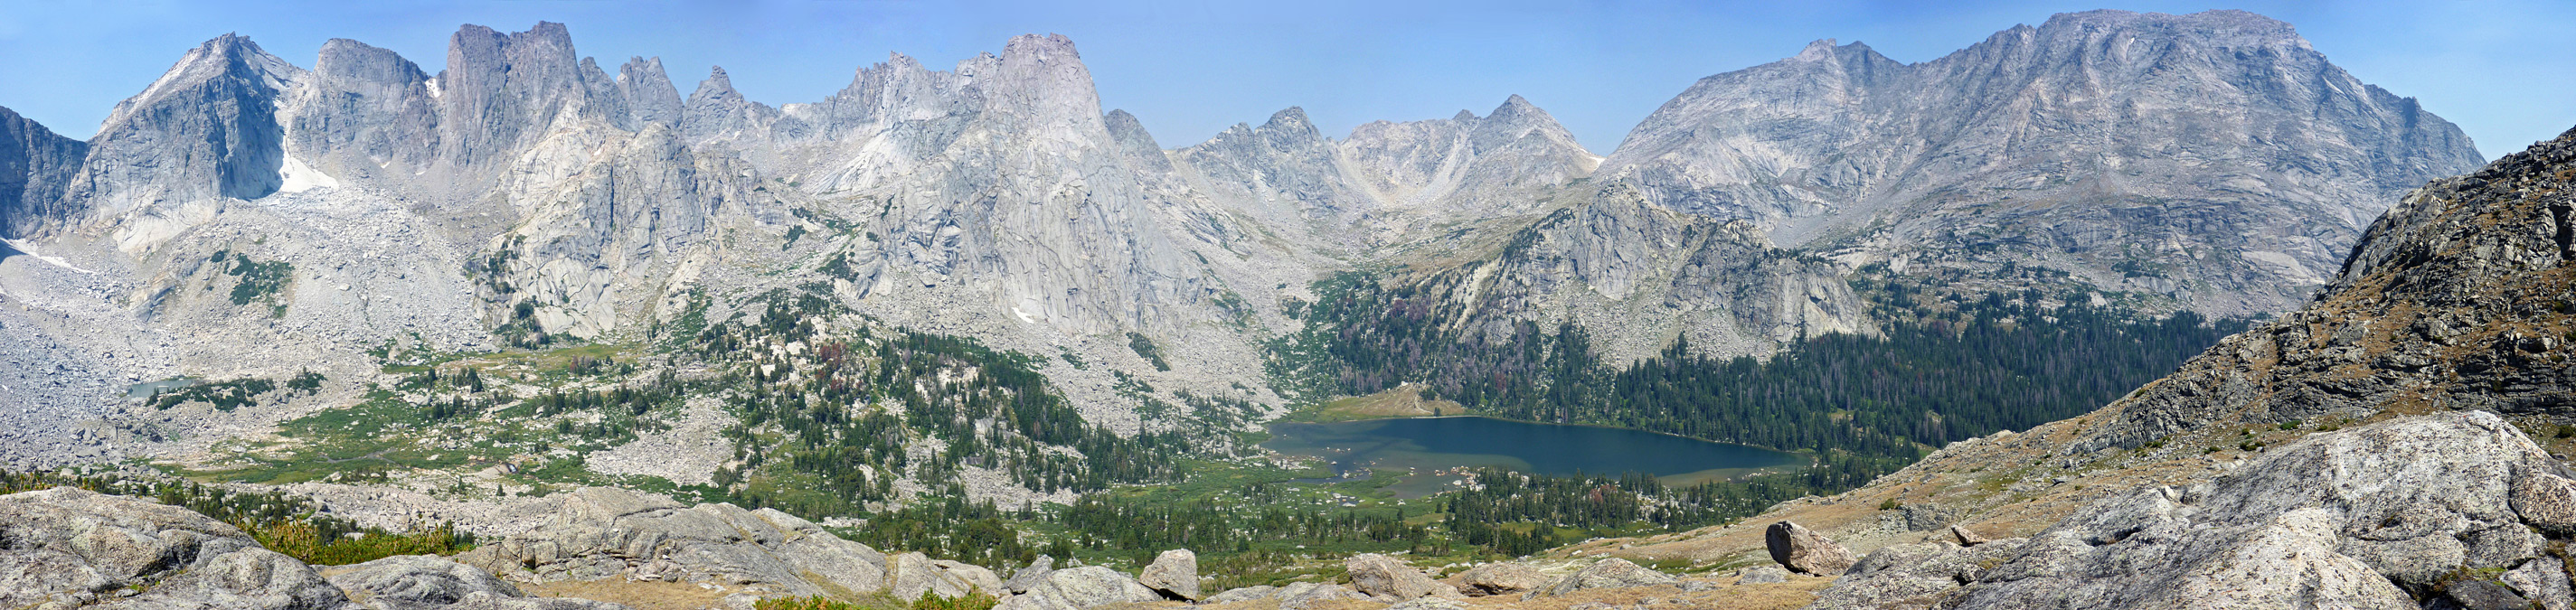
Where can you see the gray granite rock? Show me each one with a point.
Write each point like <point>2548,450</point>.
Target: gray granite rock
<point>1801,549</point>
<point>1501,578</point>
<point>1174,573</point>
<point>426,582</point>
<point>601,533</point>
<point>1757,575</point>
<point>1384,578</point>
<point>2353,518</point>
<point>1080,588</point>
<point>1029,576</point>
<point>65,548</point>
<point>1607,574</point>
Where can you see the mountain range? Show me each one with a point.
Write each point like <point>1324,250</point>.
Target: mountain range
<point>246,218</point>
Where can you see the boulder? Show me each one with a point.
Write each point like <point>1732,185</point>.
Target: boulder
<point>2370,517</point>
<point>1757,575</point>
<point>1080,588</point>
<point>2483,595</point>
<point>2544,582</point>
<point>1027,577</point>
<point>976,577</point>
<point>1965,537</point>
<point>65,547</point>
<point>1244,594</point>
<point>1383,578</point>
<point>1175,573</point>
<point>599,533</point>
<point>1501,578</point>
<point>1429,603</point>
<point>910,575</point>
<point>1804,550</point>
<point>1300,595</point>
<point>425,582</point>
<point>1610,573</point>
<point>1906,575</point>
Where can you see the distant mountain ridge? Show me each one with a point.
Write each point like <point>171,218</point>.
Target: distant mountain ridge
<point>2214,158</point>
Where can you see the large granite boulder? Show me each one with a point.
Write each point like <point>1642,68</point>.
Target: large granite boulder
<point>600,533</point>
<point>910,575</point>
<point>2440,506</point>
<point>1080,588</point>
<point>1607,574</point>
<point>1384,578</point>
<point>425,582</point>
<point>1804,550</point>
<point>65,548</point>
<point>1174,573</point>
<point>1500,578</point>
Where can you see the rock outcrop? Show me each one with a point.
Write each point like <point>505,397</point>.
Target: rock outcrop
<point>206,132</point>
<point>36,165</point>
<point>2373,517</point>
<point>1610,573</point>
<point>1174,573</point>
<point>1081,588</point>
<point>1028,577</point>
<point>1501,578</point>
<point>911,575</point>
<point>601,533</point>
<point>1384,578</point>
<point>1762,575</point>
<point>68,548</point>
<point>423,582</point>
<point>1801,549</point>
<point>2092,143</point>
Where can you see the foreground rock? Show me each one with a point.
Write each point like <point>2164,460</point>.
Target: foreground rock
<point>1965,537</point>
<point>1079,588</point>
<point>1500,578</point>
<point>64,548</point>
<point>1301,595</point>
<point>2443,506</point>
<point>1029,576</point>
<point>910,575</point>
<point>602,533</point>
<point>423,582</point>
<point>1607,574</point>
<point>1384,578</point>
<point>1174,573</point>
<point>1804,550</point>
<point>1757,575</point>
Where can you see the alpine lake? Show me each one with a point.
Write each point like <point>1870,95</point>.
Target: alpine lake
<point>1434,454</point>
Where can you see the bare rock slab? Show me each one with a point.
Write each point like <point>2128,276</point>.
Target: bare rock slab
<point>65,547</point>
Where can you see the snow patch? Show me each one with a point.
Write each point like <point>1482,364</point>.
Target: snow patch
<point>55,260</point>
<point>296,177</point>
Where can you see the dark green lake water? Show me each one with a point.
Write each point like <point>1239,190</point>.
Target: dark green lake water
<point>1434,451</point>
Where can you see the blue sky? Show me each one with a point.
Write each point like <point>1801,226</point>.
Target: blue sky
<point>2501,69</point>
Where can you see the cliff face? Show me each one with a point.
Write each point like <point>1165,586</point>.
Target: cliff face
<point>2213,158</point>
<point>205,132</point>
<point>36,164</point>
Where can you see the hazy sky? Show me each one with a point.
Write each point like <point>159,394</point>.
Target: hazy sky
<point>2501,69</point>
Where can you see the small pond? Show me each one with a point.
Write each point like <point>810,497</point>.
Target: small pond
<point>146,389</point>
<point>1435,452</point>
